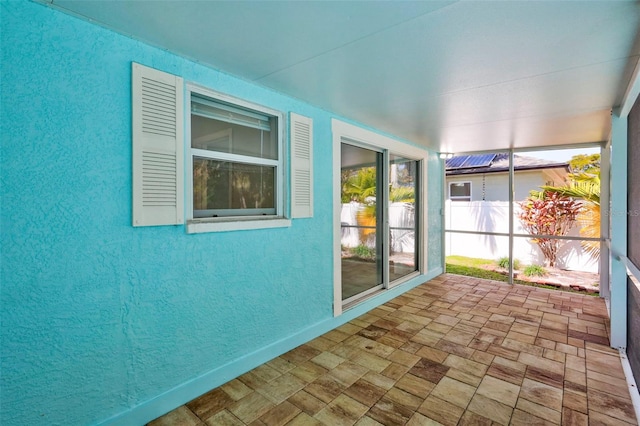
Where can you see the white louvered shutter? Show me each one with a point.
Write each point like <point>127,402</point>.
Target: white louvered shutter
<point>158,147</point>
<point>301,166</point>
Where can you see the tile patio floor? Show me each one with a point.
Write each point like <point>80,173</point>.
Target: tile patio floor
<point>453,351</point>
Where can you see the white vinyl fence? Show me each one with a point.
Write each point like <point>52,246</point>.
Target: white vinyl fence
<point>493,216</point>
<point>401,215</point>
<point>485,216</point>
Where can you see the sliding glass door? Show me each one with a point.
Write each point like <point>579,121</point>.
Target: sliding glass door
<point>361,221</point>
<point>378,220</point>
<point>403,214</point>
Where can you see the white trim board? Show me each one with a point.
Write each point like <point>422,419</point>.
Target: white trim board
<point>368,137</point>
<point>631,383</point>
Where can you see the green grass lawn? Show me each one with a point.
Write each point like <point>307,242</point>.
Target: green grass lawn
<point>472,267</point>
<point>468,261</point>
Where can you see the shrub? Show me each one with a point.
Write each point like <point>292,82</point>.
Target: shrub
<point>503,262</point>
<point>535,271</point>
<point>364,252</point>
<point>548,213</point>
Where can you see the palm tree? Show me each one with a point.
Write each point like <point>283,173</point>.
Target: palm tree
<point>586,187</point>
<point>401,194</point>
<point>361,187</point>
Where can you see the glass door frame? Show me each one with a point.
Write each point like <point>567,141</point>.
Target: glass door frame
<point>382,222</point>
<point>357,136</point>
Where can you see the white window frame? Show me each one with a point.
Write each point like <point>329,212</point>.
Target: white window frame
<point>460,197</point>
<point>234,223</point>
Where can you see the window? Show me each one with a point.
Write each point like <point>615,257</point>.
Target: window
<point>460,191</point>
<point>235,160</point>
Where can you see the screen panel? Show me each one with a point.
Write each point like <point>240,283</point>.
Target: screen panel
<point>633,237</point>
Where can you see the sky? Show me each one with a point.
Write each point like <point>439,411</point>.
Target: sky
<point>559,155</point>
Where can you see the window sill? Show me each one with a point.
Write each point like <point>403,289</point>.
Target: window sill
<point>197,226</point>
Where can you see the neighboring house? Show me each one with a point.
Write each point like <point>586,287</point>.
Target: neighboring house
<point>477,190</point>
<point>485,177</point>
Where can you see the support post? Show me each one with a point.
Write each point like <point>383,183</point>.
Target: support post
<point>605,252</point>
<point>511,211</point>
<point>618,219</point>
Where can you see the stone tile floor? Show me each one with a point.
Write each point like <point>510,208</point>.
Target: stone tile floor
<point>453,351</point>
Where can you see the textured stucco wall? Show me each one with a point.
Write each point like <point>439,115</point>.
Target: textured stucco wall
<point>98,317</point>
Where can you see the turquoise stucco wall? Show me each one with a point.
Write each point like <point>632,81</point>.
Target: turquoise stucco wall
<point>98,318</point>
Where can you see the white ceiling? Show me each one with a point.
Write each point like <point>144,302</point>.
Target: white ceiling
<point>453,76</point>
